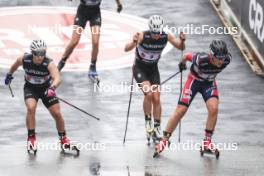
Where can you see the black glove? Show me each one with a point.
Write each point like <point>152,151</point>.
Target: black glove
<point>182,66</point>
<point>8,79</point>
<point>119,8</point>
<point>61,64</point>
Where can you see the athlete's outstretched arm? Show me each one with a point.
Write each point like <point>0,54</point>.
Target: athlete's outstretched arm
<point>15,65</point>
<point>137,38</point>
<point>55,75</point>
<point>177,42</point>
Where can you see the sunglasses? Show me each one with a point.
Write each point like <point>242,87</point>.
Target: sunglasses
<point>221,57</point>
<point>39,53</point>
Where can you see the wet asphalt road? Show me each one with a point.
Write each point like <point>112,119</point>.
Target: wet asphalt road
<point>240,116</point>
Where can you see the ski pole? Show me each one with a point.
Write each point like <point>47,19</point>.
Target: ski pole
<point>129,104</point>
<point>11,91</point>
<point>66,102</point>
<point>179,137</point>
<point>166,80</point>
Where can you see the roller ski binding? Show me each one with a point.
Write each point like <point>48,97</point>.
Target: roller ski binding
<point>32,145</point>
<point>209,148</point>
<point>163,143</point>
<point>66,145</point>
<point>93,75</point>
<point>156,135</point>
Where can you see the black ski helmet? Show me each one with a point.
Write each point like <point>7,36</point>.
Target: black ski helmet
<point>219,48</point>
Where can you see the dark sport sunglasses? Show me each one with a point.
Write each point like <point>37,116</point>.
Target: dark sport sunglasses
<point>39,53</point>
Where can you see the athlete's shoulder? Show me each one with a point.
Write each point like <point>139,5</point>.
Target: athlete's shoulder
<point>146,34</point>
<point>47,60</point>
<point>189,56</point>
<point>27,57</point>
<point>203,55</point>
<point>201,58</point>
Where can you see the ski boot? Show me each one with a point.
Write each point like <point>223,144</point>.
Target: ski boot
<point>66,145</point>
<point>161,146</point>
<point>149,129</point>
<point>32,144</point>
<point>156,136</point>
<point>209,148</point>
<point>162,143</point>
<point>92,74</point>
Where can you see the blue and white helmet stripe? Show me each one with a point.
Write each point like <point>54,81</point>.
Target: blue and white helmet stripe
<point>156,23</point>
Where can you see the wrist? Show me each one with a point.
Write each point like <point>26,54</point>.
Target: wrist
<point>182,39</point>
<point>53,87</point>
<point>183,61</point>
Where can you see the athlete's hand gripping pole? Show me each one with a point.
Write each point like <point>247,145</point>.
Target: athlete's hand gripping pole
<point>8,80</point>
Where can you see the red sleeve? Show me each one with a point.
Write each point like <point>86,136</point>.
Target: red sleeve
<point>189,57</point>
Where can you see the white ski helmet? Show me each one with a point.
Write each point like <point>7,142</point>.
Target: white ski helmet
<point>38,47</point>
<point>156,23</point>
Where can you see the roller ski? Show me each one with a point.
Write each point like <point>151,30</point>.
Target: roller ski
<point>93,75</point>
<point>149,130</point>
<point>163,143</point>
<point>209,148</point>
<point>67,146</point>
<point>32,145</point>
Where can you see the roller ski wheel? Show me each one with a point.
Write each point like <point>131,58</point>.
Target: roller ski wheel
<point>32,151</point>
<point>207,149</point>
<point>210,152</point>
<point>67,147</point>
<point>32,145</point>
<point>71,148</point>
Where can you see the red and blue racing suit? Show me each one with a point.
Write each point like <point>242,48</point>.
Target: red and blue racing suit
<point>201,78</point>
